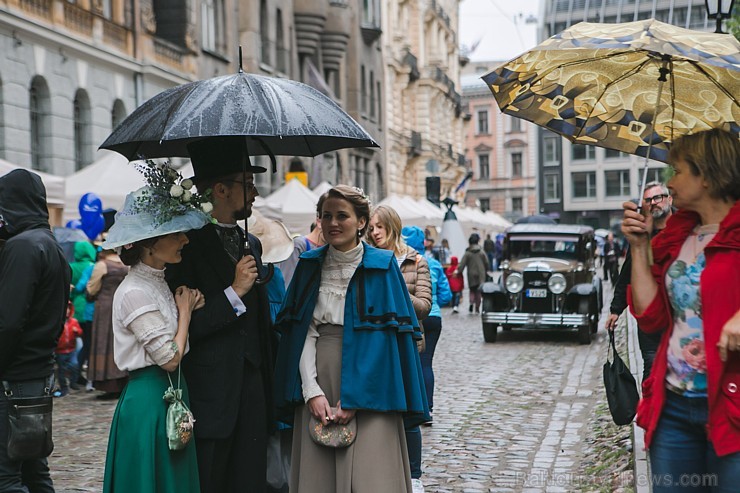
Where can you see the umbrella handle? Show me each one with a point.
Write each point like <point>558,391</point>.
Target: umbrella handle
<point>270,267</point>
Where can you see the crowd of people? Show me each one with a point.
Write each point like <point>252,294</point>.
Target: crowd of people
<point>331,358</point>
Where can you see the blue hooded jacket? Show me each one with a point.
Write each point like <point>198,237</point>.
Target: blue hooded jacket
<point>441,292</point>
<point>381,370</point>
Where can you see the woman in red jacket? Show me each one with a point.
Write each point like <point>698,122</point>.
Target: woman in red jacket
<point>691,401</point>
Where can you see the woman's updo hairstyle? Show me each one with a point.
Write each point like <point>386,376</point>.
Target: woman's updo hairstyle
<point>353,195</point>
<point>132,256</point>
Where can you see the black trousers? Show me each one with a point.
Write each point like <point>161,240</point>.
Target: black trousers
<point>648,347</point>
<point>31,476</point>
<point>238,463</point>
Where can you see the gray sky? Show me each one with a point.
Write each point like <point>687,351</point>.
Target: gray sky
<point>502,32</point>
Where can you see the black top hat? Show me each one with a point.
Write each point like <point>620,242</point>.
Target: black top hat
<point>213,157</point>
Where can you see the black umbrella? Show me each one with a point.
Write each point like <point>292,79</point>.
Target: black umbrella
<point>266,116</point>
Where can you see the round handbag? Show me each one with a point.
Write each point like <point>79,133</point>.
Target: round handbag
<point>333,435</point>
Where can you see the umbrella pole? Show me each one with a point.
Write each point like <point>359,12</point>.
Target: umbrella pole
<point>664,71</point>
<point>247,247</point>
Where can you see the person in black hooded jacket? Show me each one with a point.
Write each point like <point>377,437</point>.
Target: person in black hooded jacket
<point>34,289</point>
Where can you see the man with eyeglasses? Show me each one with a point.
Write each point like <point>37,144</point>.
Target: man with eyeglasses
<point>659,203</point>
<point>229,366</point>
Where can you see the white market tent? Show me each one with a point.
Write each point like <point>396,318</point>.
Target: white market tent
<point>407,208</point>
<point>111,177</point>
<point>322,188</point>
<point>293,204</point>
<point>54,190</point>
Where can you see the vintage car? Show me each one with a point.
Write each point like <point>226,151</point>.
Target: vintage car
<point>548,280</point>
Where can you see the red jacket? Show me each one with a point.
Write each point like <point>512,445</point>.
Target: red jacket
<point>72,330</point>
<point>720,298</point>
<point>457,284</point>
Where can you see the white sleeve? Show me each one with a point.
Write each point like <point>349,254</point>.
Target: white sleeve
<point>307,365</point>
<point>142,317</point>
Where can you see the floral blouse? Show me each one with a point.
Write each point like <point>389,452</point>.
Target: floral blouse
<point>687,362</point>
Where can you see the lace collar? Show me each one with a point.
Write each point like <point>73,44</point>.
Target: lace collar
<point>352,256</point>
<point>143,270</point>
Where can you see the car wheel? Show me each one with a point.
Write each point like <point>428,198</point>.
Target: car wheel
<point>489,332</point>
<point>585,331</point>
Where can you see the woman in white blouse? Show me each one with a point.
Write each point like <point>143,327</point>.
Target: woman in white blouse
<point>347,353</point>
<point>150,328</point>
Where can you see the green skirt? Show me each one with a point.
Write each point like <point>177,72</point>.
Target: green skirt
<point>139,458</point>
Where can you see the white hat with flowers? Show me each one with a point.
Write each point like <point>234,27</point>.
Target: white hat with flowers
<point>167,204</point>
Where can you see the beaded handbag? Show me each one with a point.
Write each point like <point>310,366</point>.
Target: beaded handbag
<point>333,435</point>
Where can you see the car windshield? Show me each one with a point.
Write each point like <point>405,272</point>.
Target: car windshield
<point>563,247</point>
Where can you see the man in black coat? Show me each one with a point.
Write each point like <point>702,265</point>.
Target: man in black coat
<point>659,203</point>
<point>34,289</point>
<point>229,366</point>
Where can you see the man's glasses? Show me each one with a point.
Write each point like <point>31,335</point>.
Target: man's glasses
<point>655,199</point>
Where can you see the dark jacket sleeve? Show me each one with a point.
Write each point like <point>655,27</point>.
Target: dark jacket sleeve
<point>619,300</point>
<point>19,273</point>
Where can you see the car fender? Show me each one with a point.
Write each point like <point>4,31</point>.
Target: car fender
<point>492,287</point>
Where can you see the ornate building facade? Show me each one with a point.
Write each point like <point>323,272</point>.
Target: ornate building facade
<point>500,151</point>
<point>70,71</point>
<point>424,121</point>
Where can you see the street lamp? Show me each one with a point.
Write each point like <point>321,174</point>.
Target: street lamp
<point>719,9</point>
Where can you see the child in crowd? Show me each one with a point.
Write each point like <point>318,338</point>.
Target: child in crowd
<point>457,283</point>
<point>66,354</point>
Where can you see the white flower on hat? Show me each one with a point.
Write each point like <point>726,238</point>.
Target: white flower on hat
<point>186,196</point>
<point>187,184</point>
<point>207,207</point>
<point>176,190</point>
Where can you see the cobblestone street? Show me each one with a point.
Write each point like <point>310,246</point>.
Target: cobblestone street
<point>509,417</point>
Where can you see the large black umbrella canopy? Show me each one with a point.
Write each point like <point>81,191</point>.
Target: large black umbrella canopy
<point>276,117</point>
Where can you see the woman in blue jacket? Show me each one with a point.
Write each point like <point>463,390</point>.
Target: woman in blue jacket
<point>348,352</point>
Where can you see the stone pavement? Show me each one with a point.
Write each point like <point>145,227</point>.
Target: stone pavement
<point>511,416</point>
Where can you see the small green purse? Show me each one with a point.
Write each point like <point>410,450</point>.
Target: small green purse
<point>180,419</point>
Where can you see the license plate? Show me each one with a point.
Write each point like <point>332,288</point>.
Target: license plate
<point>537,293</point>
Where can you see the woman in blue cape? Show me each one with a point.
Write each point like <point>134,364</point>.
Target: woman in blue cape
<point>348,352</point>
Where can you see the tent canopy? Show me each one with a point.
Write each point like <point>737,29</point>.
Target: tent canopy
<point>322,188</point>
<point>293,204</point>
<point>111,178</point>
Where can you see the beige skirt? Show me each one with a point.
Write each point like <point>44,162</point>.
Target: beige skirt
<point>378,459</point>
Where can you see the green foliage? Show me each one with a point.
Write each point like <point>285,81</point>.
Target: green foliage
<point>733,25</point>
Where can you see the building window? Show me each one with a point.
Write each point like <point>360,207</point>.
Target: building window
<point>117,114</point>
<point>485,204</point>
<point>82,130</point>
<point>484,173</point>
<point>482,127</point>
<point>584,185</point>
<point>552,187</point>
<point>515,124</point>
<point>617,183</point>
<point>582,152</point>
<point>613,153</point>
<point>698,17</point>
<point>653,174</point>
<point>380,105</point>
<point>265,33</point>
<point>516,164</point>
<point>208,14</point>
<point>551,151</point>
<point>372,94</point>
<point>363,91</point>
<point>282,52</point>
<point>517,205</point>
<point>40,110</point>
<point>369,14</point>
<point>107,9</point>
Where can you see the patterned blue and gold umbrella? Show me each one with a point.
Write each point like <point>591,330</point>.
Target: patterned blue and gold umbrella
<point>633,87</point>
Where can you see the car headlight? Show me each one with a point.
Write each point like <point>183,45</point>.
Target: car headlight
<point>514,282</point>
<point>557,283</point>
